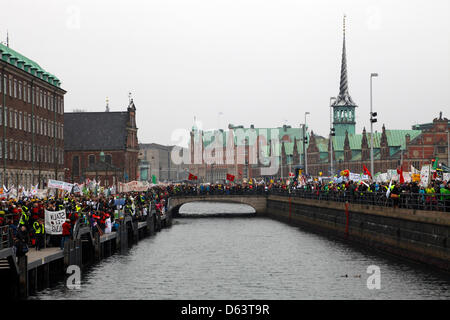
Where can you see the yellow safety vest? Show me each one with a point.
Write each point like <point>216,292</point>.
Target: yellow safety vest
<point>39,228</point>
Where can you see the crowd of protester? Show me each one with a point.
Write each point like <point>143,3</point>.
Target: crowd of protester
<point>24,218</point>
<point>435,196</point>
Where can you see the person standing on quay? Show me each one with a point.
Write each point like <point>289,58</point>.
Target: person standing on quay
<point>66,226</point>
<point>38,227</point>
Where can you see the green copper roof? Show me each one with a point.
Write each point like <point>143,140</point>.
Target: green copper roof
<point>16,59</point>
<point>286,135</point>
<point>395,138</point>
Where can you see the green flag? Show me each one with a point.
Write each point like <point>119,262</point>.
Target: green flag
<point>435,163</point>
<point>154,179</point>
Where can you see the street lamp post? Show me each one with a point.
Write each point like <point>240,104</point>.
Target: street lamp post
<point>305,136</point>
<point>331,137</point>
<point>372,120</point>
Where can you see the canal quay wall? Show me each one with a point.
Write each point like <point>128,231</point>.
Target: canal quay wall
<point>21,277</point>
<point>417,235</point>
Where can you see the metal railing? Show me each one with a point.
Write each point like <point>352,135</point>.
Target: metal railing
<point>5,237</point>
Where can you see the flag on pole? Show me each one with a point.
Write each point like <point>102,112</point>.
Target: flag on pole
<point>400,173</point>
<point>230,177</point>
<point>366,171</point>
<point>435,163</point>
<point>192,177</point>
<point>388,192</point>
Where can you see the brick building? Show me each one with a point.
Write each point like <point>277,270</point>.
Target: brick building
<point>433,143</point>
<point>248,150</point>
<point>392,148</point>
<point>350,150</point>
<point>31,120</point>
<point>101,146</point>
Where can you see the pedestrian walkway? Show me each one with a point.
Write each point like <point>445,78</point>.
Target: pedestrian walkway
<point>38,258</point>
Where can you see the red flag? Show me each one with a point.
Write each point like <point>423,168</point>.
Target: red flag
<point>230,177</point>
<point>400,172</point>
<point>192,177</point>
<point>366,171</point>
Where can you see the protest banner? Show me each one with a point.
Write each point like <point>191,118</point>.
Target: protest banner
<point>446,176</point>
<point>61,185</point>
<point>54,221</point>
<point>425,176</point>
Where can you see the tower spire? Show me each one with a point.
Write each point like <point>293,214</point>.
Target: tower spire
<point>343,106</point>
<point>344,97</point>
<point>344,83</point>
<point>107,105</point>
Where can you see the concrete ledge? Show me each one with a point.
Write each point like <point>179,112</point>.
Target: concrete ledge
<point>38,258</point>
<point>108,236</point>
<point>142,224</point>
<point>433,217</point>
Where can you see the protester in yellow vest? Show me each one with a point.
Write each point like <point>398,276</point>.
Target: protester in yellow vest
<point>39,231</point>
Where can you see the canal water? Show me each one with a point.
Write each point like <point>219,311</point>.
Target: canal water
<point>247,257</point>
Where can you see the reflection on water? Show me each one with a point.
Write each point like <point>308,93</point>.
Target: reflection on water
<point>248,258</point>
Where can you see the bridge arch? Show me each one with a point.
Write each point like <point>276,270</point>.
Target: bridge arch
<point>258,203</point>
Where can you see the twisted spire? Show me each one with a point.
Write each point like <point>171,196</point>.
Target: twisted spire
<point>344,97</point>
<point>344,84</point>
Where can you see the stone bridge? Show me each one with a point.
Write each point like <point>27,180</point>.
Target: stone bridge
<point>257,202</point>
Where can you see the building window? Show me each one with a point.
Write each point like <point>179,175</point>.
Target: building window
<point>6,116</point>
<point>76,165</point>
<point>29,123</point>
<point>20,120</point>
<point>6,149</point>
<point>1,115</point>
<point>20,152</point>
<point>441,150</point>
<point>91,159</point>
<point>108,159</point>
<point>15,88</point>
<point>11,150</point>
<point>20,89</point>
<point>24,96</point>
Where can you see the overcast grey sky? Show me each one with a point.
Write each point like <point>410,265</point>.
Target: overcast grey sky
<point>262,62</point>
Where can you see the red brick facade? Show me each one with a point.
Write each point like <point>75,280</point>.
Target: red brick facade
<point>82,157</point>
<point>31,127</point>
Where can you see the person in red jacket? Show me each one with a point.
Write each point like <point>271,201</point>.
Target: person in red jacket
<point>66,226</point>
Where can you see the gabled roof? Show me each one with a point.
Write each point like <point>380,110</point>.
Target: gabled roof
<point>85,131</point>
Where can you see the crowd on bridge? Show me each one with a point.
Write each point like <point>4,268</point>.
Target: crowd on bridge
<point>23,219</point>
<point>434,196</point>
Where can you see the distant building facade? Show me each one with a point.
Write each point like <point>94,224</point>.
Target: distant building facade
<point>31,120</point>
<point>317,155</point>
<point>155,160</point>
<point>392,148</point>
<point>101,146</point>
<point>245,153</point>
